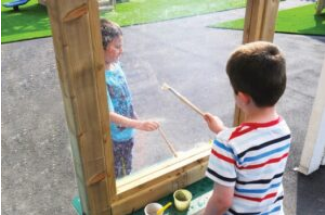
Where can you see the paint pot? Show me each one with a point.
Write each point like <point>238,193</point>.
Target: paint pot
<point>182,199</point>
<point>152,208</point>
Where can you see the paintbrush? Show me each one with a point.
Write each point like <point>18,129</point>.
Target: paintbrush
<point>182,98</point>
<point>166,140</point>
<point>161,210</point>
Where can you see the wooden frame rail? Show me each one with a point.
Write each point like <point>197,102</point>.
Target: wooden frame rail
<point>160,180</point>
<point>80,63</point>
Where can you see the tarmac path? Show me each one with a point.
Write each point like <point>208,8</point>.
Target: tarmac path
<point>37,169</point>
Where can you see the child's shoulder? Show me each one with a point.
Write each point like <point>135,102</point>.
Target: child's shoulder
<point>225,134</point>
<point>223,137</point>
<point>251,134</point>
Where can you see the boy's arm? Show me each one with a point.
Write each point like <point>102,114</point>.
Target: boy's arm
<point>220,201</point>
<point>144,125</point>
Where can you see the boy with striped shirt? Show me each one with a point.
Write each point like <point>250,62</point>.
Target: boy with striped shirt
<point>247,162</point>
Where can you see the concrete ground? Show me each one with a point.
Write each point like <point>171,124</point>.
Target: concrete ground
<point>37,168</point>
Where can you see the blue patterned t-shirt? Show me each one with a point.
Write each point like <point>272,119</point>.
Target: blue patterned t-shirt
<point>119,101</point>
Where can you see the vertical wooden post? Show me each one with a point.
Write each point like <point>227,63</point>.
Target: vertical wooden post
<point>260,21</point>
<point>313,153</point>
<point>80,63</point>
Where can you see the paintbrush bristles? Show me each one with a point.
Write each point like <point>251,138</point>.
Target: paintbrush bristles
<point>165,86</point>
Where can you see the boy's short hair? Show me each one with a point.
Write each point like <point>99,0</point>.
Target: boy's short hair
<point>259,70</point>
<point>109,30</point>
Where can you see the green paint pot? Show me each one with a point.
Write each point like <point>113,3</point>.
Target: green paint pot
<point>182,199</point>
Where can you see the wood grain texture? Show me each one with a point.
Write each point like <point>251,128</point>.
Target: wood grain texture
<point>80,63</point>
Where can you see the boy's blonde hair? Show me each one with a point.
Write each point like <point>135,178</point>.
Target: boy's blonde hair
<point>259,70</point>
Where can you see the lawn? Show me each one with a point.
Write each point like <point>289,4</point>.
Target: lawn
<point>300,20</point>
<point>32,20</point>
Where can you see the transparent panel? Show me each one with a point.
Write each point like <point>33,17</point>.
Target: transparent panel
<point>189,56</point>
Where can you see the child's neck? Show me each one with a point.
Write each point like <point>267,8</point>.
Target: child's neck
<point>109,66</point>
<point>261,115</point>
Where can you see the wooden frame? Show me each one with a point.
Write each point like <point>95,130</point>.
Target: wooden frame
<point>75,27</point>
<point>313,153</point>
<point>79,58</point>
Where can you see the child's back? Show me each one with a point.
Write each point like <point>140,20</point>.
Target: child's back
<point>247,162</point>
<point>253,161</point>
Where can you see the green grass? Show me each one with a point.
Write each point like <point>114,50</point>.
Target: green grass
<point>300,20</point>
<point>148,11</point>
<point>32,20</point>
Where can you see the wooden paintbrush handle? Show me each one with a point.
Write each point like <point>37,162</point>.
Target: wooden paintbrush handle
<point>166,140</point>
<point>186,101</point>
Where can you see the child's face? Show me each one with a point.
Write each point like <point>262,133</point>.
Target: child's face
<point>113,50</point>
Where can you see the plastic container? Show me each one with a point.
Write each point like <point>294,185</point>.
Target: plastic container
<point>182,199</point>
<point>152,208</point>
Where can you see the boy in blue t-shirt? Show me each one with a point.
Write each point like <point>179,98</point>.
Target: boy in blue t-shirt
<point>122,116</point>
<point>247,162</point>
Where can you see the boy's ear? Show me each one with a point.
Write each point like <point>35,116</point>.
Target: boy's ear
<point>243,97</point>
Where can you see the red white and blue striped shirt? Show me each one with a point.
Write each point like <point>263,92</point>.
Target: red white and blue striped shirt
<point>252,158</point>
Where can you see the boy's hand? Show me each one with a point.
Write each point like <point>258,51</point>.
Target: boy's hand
<point>215,124</point>
<point>147,125</point>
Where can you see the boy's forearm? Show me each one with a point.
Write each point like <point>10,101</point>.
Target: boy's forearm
<point>213,208</point>
<point>220,201</point>
<point>144,125</point>
<point>221,129</point>
<point>122,120</point>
